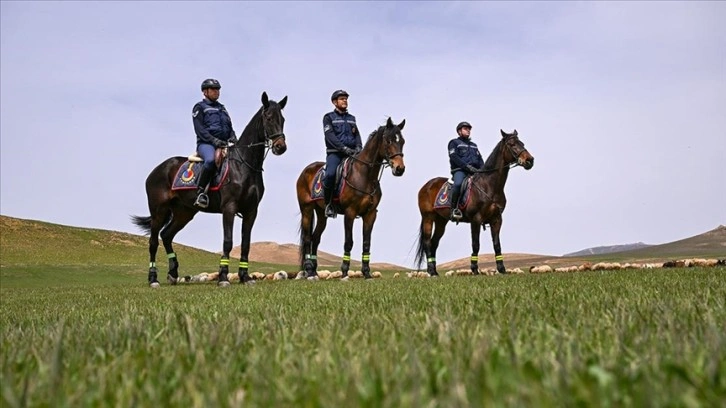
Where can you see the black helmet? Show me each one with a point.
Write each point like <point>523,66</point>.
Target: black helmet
<point>210,83</point>
<point>338,94</point>
<point>462,125</point>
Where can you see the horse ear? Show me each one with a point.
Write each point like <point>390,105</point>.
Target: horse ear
<point>389,122</point>
<point>402,124</point>
<point>515,132</point>
<point>283,102</point>
<point>503,133</point>
<point>265,100</point>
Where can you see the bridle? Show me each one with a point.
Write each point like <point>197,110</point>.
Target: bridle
<point>384,163</point>
<point>268,143</point>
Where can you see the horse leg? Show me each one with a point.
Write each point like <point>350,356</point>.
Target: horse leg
<point>348,245</point>
<point>368,220</point>
<point>306,241</point>
<point>248,221</point>
<point>495,226</point>
<point>157,222</point>
<point>320,224</point>
<point>439,229</point>
<point>180,218</point>
<point>475,232</point>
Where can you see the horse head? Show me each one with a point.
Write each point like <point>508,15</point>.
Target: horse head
<point>515,150</point>
<point>392,147</point>
<point>274,123</point>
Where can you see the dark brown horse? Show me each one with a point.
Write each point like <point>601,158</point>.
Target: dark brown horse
<point>171,210</point>
<point>485,204</point>
<point>360,197</point>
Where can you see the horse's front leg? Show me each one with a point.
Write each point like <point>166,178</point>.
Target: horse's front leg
<point>228,226</point>
<point>475,232</point>
<point>248,221</point>
<point>348,245</point>
<point>496,225</point>
<point>368,220</point>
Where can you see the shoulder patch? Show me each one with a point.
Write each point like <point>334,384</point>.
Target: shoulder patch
<point>195,113</point>
<point>326,128</point>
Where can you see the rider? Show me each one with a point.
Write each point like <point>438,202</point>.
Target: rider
<point>342,138</point>
<point>465,159</point>
<point>213,127</point>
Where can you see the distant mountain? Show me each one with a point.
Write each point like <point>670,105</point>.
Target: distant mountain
<point>608,249</point>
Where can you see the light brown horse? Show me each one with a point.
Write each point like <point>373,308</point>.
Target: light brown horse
<point>360,197</point>
<point>484,206</point>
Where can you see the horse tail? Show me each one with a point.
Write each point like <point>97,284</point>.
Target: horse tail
<point>144,223</point>
<point>420,252</point>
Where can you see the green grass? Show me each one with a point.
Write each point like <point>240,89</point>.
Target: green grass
<point>100,337</point>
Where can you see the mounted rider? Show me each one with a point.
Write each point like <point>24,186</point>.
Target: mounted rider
<point>342,139</point>
<point>465,159</point>
<point>213,127</point>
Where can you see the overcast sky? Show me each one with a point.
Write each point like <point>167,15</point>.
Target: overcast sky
<point>623,106</point>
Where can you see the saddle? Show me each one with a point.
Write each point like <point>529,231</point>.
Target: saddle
<point>220,154</point>
<point>341,171</point>
<point>187,176</point>
<point>443,197</point>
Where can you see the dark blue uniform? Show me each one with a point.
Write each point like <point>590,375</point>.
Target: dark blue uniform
<point>340,131</point>
<point>462,153</point>
<point>213,127</point>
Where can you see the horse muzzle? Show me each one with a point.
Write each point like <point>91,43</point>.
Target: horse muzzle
<point>527,163</point>
<point>398,170</point>
<point>279,146</point>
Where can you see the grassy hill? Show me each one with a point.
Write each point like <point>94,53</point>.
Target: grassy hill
<point>711,244</point>
<point>36,243</point>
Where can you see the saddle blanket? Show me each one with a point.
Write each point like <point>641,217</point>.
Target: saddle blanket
<point>443,199</point>
<point>316,192</point>
<point>187,177</point>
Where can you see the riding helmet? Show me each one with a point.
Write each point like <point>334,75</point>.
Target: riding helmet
<point>463,124</point>
<point>338,94</point>
<point>210,83</point>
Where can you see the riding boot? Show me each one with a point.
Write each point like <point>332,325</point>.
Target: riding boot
<point>204,178</point>
<point>329,210</point>
<point>455,211</point>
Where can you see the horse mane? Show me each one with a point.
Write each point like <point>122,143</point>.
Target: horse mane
<point>374,133</point>
<point>253,127</point>
<point>491,162</point>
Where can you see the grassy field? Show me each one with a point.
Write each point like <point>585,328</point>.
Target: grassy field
<point>82,336</point>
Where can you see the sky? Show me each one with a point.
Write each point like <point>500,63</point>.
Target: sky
<point>623,106</point>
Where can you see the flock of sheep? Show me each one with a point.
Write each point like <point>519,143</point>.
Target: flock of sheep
<point>587,266</point>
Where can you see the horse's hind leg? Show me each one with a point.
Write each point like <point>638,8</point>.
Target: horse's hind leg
<point>321,222</point>
<point>439,225</point>
<point>180,218</point>
<point>157,222</point>
<point>495,226</point>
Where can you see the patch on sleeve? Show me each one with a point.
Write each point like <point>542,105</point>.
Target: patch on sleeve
<point>451,151</point>
<point>326,128</point>
<point>195,113</point>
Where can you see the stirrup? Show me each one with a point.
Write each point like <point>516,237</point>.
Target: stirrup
<point>202,201</point>
<point>330,211</point>
<point>456,214</point>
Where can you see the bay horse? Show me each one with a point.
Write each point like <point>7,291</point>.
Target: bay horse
<point>360,197</point>
<point>239,194</point>
<point>485,204</point>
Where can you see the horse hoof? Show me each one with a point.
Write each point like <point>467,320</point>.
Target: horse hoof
<point>345,279</point>
<point>249,282</point>
<point>154,285</point>
<point>313,278</point>
<point>223,284</point>
<point>171,280</point>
